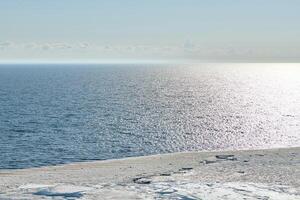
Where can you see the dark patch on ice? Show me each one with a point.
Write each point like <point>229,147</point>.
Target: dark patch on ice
<point>241,190</point>
<point>182,197</point>
<point>185,169</point>
<point>293,154</point>
<point>165,192</point>
<point>142,180</point>
<point>288,115</point>
<point>179,172</point>
<point>165,174</point>
<point>259,154</point>
<point>48,193</point>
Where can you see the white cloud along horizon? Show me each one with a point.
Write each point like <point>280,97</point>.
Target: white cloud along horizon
<point>228,30</point>
<point>84,51</point>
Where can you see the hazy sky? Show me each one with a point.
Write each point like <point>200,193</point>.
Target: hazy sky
<point>215,30</point>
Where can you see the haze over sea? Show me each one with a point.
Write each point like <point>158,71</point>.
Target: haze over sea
<point>54,114</point>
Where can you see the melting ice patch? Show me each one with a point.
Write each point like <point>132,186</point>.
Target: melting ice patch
<point>62,191</point>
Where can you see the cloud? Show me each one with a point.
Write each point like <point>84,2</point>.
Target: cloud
<point>83,45</point>
<point>186,50</point>
<point>5,44</point>
<point>45,47</point>
<point>54,46</point>
<point>88,48</point>
<point>29,46</point>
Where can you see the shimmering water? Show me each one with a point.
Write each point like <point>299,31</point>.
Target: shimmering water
<point>59,114</point>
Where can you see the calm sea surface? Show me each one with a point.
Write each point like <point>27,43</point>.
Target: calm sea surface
<point>62,113</point>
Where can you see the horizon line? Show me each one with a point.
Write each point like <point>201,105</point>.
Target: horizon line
<point>138,61</point>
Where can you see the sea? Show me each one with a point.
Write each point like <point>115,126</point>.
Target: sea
<point>53,114</point>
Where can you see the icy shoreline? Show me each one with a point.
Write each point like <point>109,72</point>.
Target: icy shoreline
<point>254,174</point>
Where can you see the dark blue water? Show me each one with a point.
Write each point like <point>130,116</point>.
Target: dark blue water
<point>62,113</point>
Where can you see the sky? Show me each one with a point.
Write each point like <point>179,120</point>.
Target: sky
<point>119,30</point>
